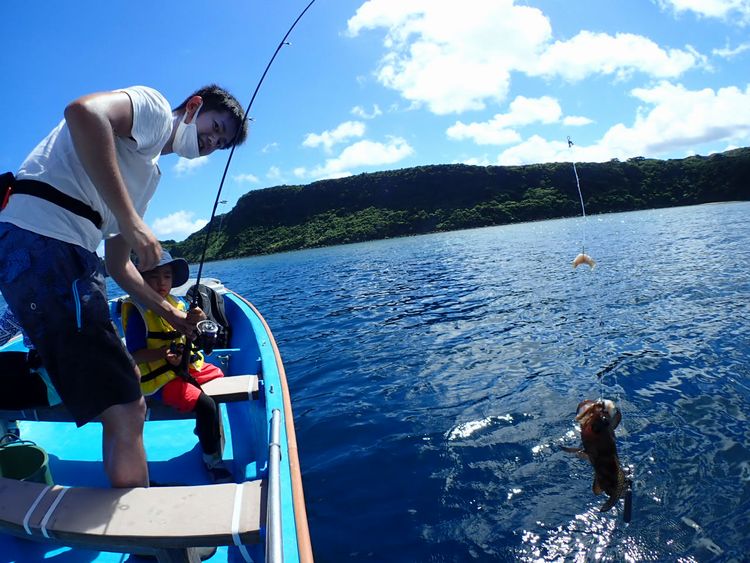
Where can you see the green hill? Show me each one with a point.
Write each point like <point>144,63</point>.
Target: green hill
<point>447,197</point>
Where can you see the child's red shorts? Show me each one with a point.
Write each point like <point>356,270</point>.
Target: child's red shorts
<point>182,395</point>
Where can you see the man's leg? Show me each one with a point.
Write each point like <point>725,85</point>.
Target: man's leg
<point>58,293</point>
<point>122,444</point>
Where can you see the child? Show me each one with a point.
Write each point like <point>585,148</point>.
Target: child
<point>158,350</point>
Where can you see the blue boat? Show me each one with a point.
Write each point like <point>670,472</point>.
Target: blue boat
<point>75,516</point>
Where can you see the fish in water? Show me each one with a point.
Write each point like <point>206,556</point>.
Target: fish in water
<point>598,420</point>
<point>583,259</point>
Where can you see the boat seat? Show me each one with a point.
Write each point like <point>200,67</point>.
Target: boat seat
<point>169,522</point>
<point>227,389</point>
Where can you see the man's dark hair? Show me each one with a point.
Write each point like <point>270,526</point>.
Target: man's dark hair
<point>218,99</point>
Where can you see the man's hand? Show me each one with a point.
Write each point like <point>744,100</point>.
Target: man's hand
<point>186,323</point>
<point>143,242</point>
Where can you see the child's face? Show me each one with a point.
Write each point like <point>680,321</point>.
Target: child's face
<point>159,279</point>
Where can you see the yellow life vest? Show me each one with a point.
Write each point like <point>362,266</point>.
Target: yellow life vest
<point>159,334</point>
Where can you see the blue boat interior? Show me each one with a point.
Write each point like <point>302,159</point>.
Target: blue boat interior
<point>172,448</point>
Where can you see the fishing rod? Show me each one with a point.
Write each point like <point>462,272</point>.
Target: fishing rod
<point>207,328</point>
<point>231,152</point>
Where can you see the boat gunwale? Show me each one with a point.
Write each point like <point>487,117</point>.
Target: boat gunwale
<point>304,544</point>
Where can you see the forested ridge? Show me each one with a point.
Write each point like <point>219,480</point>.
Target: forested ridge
<point>447,197</point>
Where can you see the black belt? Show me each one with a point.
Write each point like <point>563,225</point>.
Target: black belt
<point>51,194</point>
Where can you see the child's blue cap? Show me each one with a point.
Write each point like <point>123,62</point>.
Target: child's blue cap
<point>180,268</point>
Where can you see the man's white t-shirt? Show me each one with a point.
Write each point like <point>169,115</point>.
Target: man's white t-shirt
<point>55,162</point>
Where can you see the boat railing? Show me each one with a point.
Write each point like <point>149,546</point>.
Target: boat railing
<point>274,553</point>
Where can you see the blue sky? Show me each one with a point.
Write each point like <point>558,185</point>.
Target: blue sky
<point>387,84</point>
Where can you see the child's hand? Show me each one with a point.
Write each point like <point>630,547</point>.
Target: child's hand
<point>174,355</point>
<point>195,315</point>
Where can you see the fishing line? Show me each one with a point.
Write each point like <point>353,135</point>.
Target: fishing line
<point>624,453</point>
<point>629,469</point>
<point>231,152</point>
<point>583,240</point>
<point>580,196</point>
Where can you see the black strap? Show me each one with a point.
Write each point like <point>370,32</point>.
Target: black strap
<point>181,371</point>
<point>157,335</point>
<point>49,193</point>
<point>7,179</point>
<point>157,372</point>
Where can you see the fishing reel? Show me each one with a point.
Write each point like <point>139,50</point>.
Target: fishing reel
<point>208,332</point>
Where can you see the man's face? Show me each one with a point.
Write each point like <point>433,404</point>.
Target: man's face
<point>159,279</point>
<point>215,131</point>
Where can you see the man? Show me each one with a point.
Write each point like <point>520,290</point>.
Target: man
<point>90,179</point>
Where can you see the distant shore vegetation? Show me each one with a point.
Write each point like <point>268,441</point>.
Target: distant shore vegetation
<point>448,197</point>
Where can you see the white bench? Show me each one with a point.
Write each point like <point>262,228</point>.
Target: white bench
<point>169,522</point>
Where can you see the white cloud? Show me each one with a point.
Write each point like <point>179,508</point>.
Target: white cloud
<point>186,166</point>
<point>500,129</point>
<point>274,174</point>
<point>536,149</point>
<point>245,178</point>
<point>362,113</point>
<point>620,55</point>
<point>477,161</point>
<point>362,153</point>
<point>728,53</point>
<point>178,225</point>
<point>486,133</point>
<point>671,119</point>
<point>730,10</point>
<point>576,121</point>
<point>341,134</point>
<point>454,57</point>
<point>270,147</point>
<point>681,118</point>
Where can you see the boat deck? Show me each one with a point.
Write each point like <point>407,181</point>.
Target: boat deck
<point>174,458</point>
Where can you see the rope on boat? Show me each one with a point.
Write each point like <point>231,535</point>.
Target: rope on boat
<point>236,511</point>
<point>32,508</point>
<point>51,509</point>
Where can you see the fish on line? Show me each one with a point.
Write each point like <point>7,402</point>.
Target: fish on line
<point>598,420</point>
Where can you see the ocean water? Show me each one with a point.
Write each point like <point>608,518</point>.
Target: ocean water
<point>435,378</point>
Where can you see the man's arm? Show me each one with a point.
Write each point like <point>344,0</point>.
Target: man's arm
<point>93,121</point>
<point>125,274</point>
